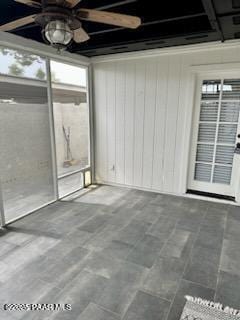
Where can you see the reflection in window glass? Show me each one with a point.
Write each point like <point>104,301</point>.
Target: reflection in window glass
<point>211,89</point>
<point>21,64</point>
<point>66,73</point>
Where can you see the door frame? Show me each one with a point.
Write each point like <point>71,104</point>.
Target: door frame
<point>226,70</point>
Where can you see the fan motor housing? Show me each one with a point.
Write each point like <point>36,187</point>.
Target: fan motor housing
<point>58,13</point>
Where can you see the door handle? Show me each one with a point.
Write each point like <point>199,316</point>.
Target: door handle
<point>237,148</point>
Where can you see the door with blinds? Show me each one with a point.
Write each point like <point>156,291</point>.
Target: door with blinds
<point>213,166</point>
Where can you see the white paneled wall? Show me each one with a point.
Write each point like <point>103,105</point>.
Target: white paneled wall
<point>142,117</point>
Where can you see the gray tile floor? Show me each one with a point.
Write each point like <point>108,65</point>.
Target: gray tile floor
<point>117,253</point>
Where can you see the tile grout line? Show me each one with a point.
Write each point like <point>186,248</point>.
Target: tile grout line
<point>154,294</point>
<point>199,284</point>
<point>166,241</point>
<point>190,254</point>
<point>220,258</point>
<point>125,312</point>
<point>104,309</point>
<point>141,288</point>
<point>170,307</point>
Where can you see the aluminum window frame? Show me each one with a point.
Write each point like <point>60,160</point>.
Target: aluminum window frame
<point>90,123</point>
<point>67,58</point>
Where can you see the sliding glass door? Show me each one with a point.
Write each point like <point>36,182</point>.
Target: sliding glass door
<point>71,123</point>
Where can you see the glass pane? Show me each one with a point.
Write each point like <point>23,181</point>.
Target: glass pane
<point>21,64</point>
<point>222,126</point>
<point>203,172</point>
<point>231,89</point>
<point>205,152</point>
<point>224,154</point>
<point>229,111</point>
<point>69,74</point>
<point>227,133</point>
<point>222,174</point>
<point>209,111</point>
<point>71,120</point>
<point>26,161</point>
<point>206,132</point>
<point>70,184</point>
<point>211,89</point>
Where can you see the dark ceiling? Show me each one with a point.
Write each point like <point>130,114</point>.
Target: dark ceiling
<point>164,24</point>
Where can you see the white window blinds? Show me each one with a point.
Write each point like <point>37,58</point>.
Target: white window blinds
<point>217,130</point>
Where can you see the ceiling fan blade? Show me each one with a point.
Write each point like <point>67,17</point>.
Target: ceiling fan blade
<point>38,4</point>
<point>72,3</point>
<point>18,23</point>
<point>31,3</point>
<point>116,19</point>
<point>79,35</point>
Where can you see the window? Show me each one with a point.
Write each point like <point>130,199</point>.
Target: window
<point>21,64</point>
<point>28,178</point>
<point>71,122</point>
<point>26,170</point>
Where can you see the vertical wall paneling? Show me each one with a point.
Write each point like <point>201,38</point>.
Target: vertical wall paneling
<point>143,116</point>
<point>149,116</point>
<point>186,100</point>
<point>159,133</point>
<point>180,140</point>
<point>120,121</point>
<point>129,121</point>
<point>139,121</point>
<point>171,122</point>
<point>100,121</point>
<point>187,132</point>
<point>111,121</point>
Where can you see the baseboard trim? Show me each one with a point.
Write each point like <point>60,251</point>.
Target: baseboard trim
<point>185,195</point>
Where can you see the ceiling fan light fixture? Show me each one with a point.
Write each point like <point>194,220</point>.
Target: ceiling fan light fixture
<point>58,33</point>
<point>61,21</point>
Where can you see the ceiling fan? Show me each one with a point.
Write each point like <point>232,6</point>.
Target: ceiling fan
<point>61,20</point>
